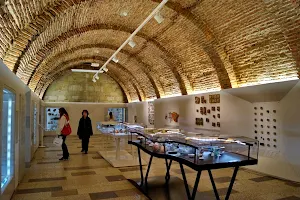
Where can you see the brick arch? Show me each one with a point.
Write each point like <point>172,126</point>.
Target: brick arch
<point>158,88</point>
<point>136,72</point>
<point>40,21</point>
<point>124,76</point>
<point>186,12</point>
<point>173,62</point>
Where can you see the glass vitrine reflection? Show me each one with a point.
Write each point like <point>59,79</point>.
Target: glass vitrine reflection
<point>7,148</point>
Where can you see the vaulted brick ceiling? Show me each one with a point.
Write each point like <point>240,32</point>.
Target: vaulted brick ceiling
<point>201,45</point>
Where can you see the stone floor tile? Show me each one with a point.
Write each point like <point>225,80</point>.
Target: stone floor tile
<point>64,193</point>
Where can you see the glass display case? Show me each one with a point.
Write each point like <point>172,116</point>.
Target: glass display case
<point>7,140</point>
<point>222,145</point>
<point>111,127</point>
<point>52,117</point>
<point>118,156</point>
<point>175,143</point>
<point>199,153</point>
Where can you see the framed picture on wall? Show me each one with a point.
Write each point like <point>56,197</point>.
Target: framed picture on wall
<point>197,100</point>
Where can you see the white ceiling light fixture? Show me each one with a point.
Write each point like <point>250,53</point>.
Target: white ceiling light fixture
<point>131,43</point>
<point>159,18</point>
<point>115,59</point>
<point>95,64</point>
<point>152,14</point>
<point>84,70</point>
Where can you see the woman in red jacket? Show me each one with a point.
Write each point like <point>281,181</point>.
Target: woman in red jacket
<point>63,120</point>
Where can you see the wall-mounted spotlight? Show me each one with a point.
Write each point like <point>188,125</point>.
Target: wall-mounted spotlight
<point>96,76</point>
<point>131,43</point>
<point>105,69</point>
<point>94,80</point>
<point>115,59</point>
<point>159,18</point>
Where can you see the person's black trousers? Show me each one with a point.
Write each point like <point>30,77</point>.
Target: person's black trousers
<point>85,144</point>
<point>65,148</point>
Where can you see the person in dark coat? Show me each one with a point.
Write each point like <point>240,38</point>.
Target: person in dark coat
<point>85,130</point>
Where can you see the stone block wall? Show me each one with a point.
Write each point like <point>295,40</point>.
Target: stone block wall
<point>78,87</point>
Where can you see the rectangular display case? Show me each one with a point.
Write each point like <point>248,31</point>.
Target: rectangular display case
<point>118,132</point>
<point>199,153</point>
<point>111,127</point>
<point>218,146</point>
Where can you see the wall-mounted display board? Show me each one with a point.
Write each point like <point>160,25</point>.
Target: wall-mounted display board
<point>208,111</point>
<point>52,116</point>
<point>35,124</point>
<point>151,113</point>
<point>266,125</point>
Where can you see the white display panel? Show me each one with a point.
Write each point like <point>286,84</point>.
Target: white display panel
<point>52,116</point>
<point>208,111</point>
<point>7,143</point>
<point>266,126</point>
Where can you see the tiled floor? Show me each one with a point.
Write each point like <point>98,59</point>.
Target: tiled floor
<point>90,177</point>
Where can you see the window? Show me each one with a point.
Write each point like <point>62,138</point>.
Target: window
<point>7,157</point>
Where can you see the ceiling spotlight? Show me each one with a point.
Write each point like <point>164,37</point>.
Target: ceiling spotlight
<point>115,59</point>
<point>131,43</point>
<point>96,76</point>
<point>95,64</point>
<point>105,69</point>
<point>159,18</point>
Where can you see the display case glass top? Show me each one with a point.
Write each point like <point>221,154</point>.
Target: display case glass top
<point>111,127</point>
<point>210,152</point>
